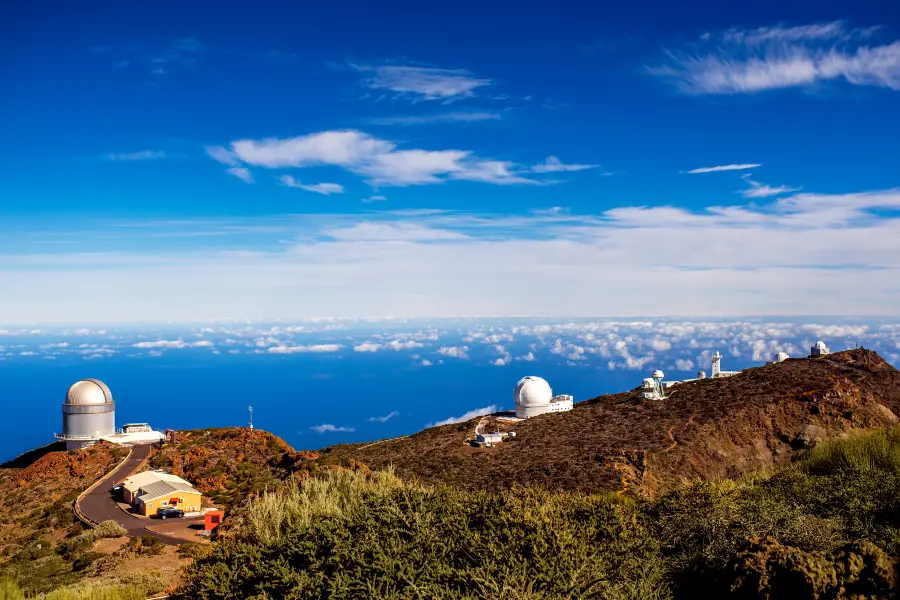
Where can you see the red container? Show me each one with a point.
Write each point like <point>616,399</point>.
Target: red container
<point>212,519</point>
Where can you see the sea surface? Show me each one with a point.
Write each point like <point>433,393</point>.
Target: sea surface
<point>317,385</point>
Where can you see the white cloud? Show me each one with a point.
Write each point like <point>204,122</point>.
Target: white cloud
<point>367,347</point>
<point>222,155</point>
<point>684,365</point>
<point>134,156</point>
<point>241,173</point>
<point>385,418</point>
<point>528,357</point>
<point>320,188</point>
<point>478,412</point>
<point>162,344</point>
<point>380,161</point>
<point>426,363</point>
<point>736,167</point>
<point>819,250</point>
<point>760,190</point>
<point>768,58</point>
<point>422,83</point>
<point>368,231</point>
<point>447,117</point>
<point>554,165</point>
<point>375,198</point>
<point>313,348</point>
<point>454,351</point>
<point>329,428</point>
<point>501,362</point>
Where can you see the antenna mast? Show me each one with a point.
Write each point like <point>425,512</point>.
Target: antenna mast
<point>251,417</point>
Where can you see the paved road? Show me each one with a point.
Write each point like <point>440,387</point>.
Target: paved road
<point>98,505</point>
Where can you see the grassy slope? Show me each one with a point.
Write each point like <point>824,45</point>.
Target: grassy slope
<point>804,533</point>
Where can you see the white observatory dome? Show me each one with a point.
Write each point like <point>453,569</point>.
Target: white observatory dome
<point>532,396</point>
<point>781,357</point>
<point>88,392</point>
<point>657,374</point>
<point>820,345</point>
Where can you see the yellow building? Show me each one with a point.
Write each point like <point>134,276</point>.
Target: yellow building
<point>151,490</point>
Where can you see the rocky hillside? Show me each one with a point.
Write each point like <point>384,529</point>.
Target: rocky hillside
<point>229,464</point>
<point>709,428</point>
<point>37,490</point>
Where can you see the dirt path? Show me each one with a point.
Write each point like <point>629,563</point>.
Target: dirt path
<point>671,435</point>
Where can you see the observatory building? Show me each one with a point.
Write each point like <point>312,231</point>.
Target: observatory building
<point>820,349</point>
<point>533,397</point>
<point>653,387</point>
<point>88,414</point>
<point>781,357</point>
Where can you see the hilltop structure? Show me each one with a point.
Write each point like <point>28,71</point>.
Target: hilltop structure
<point>89,415</point>
<point>819,349</point>
<point>533,397</point>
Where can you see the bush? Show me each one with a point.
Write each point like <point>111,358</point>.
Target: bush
<point>9,590</point>
<point>86,539</point>
<point>144,545</point>
<point>193,550</point>
<point>85,560</point>
<point>348,535</point>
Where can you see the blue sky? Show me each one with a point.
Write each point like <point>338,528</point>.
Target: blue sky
<point>174,162</point>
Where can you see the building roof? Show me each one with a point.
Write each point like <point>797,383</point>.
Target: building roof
<point>88,391</point>
<point>154,490</point>
<point>142,480</point>
<point>532,391</point>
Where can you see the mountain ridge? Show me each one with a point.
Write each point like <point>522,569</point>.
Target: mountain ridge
<point>724,427</point>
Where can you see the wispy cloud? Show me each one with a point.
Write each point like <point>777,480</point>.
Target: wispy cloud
<point>141,155</point>
<point>761,190</point>
<point>385,418</point>
<point>381,162</point>
<point>156,60</point>
<point>376,198</point>
<point>330,428</point>
<point>478,412</point>
<point>748,61</point>
<point>554,165</point>
<point>738,167</point>
<point>421,83</point>
<point>241,173</point>
<point>447,117</point>
<point>325,189</point>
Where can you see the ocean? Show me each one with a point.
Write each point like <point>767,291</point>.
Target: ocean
<point>317,385</point>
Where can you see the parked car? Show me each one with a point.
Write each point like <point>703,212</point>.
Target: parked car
<point>117,490</point>
<point>169,512</point>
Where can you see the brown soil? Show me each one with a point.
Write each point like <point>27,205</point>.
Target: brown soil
<point>708,428</point>
<point>36,492</point>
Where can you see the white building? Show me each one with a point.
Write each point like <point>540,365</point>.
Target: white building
<point>820,349</point>
<point>533,397</point>
<point>716,370</point>
<point>89,415</point>
<point>781,357</point>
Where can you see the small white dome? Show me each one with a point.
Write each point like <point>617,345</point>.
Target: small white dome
<point>88,391</point>
<point>657,374</point>
<point>533,391</point>
<point>820,345</point>
<point>781,357</point>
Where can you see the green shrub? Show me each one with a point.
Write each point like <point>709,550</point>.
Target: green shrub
<point>346,535</point>
<point>85,560</point>
<point>9,590</point>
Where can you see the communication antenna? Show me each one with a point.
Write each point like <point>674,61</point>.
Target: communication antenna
<point>251,417</point>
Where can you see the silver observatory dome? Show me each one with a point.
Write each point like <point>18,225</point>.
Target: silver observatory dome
<point>89,413</point>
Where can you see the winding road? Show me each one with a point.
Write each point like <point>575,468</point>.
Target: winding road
<point>98,505</point>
